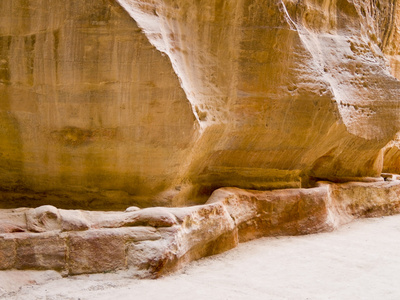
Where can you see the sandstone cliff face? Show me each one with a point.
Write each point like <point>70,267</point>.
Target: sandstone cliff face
<point>254,94</point>
<point>89,110</point>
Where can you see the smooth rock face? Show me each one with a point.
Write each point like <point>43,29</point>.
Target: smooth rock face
<point>109,104</point>
<point>91,115</point>
<point>301,88</point>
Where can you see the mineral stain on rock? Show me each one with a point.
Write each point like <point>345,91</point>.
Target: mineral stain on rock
<point>72,136</point>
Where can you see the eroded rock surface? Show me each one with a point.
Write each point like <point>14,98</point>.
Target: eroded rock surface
<point>300,88</point>
<point>136,103</point>
<point>109,104</point>
<point>156,241</point>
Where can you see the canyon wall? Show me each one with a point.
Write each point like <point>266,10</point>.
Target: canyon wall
<point>106,104</point>
<point>91,113</point>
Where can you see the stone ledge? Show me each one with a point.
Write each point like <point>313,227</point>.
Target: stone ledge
<point>152,245</point>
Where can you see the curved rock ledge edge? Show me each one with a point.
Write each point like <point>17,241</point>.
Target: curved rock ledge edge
<point>152,242</point>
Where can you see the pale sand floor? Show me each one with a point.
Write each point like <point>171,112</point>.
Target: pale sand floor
<point>361,260</point>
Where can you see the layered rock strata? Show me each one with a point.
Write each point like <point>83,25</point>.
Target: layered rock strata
<point>155,241</point>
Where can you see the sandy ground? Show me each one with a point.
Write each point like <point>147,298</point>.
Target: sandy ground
<point>359,261</point>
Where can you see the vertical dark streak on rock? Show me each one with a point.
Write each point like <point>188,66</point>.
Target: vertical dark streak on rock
<point>56,36</point>
<point>29,43</point>
<point>5,44</point>
<point>390,25</point>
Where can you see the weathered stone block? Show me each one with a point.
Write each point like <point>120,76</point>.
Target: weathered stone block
<point>9,227</point>
<point>361,199</point>
<point>40,251</point>
<point>96,251</point>
<point>149,257</point>
<point>7,253</point>
<point>73,220</point>
<point>279,212</point>
<point>43,218</point>
<point>153,216</point>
